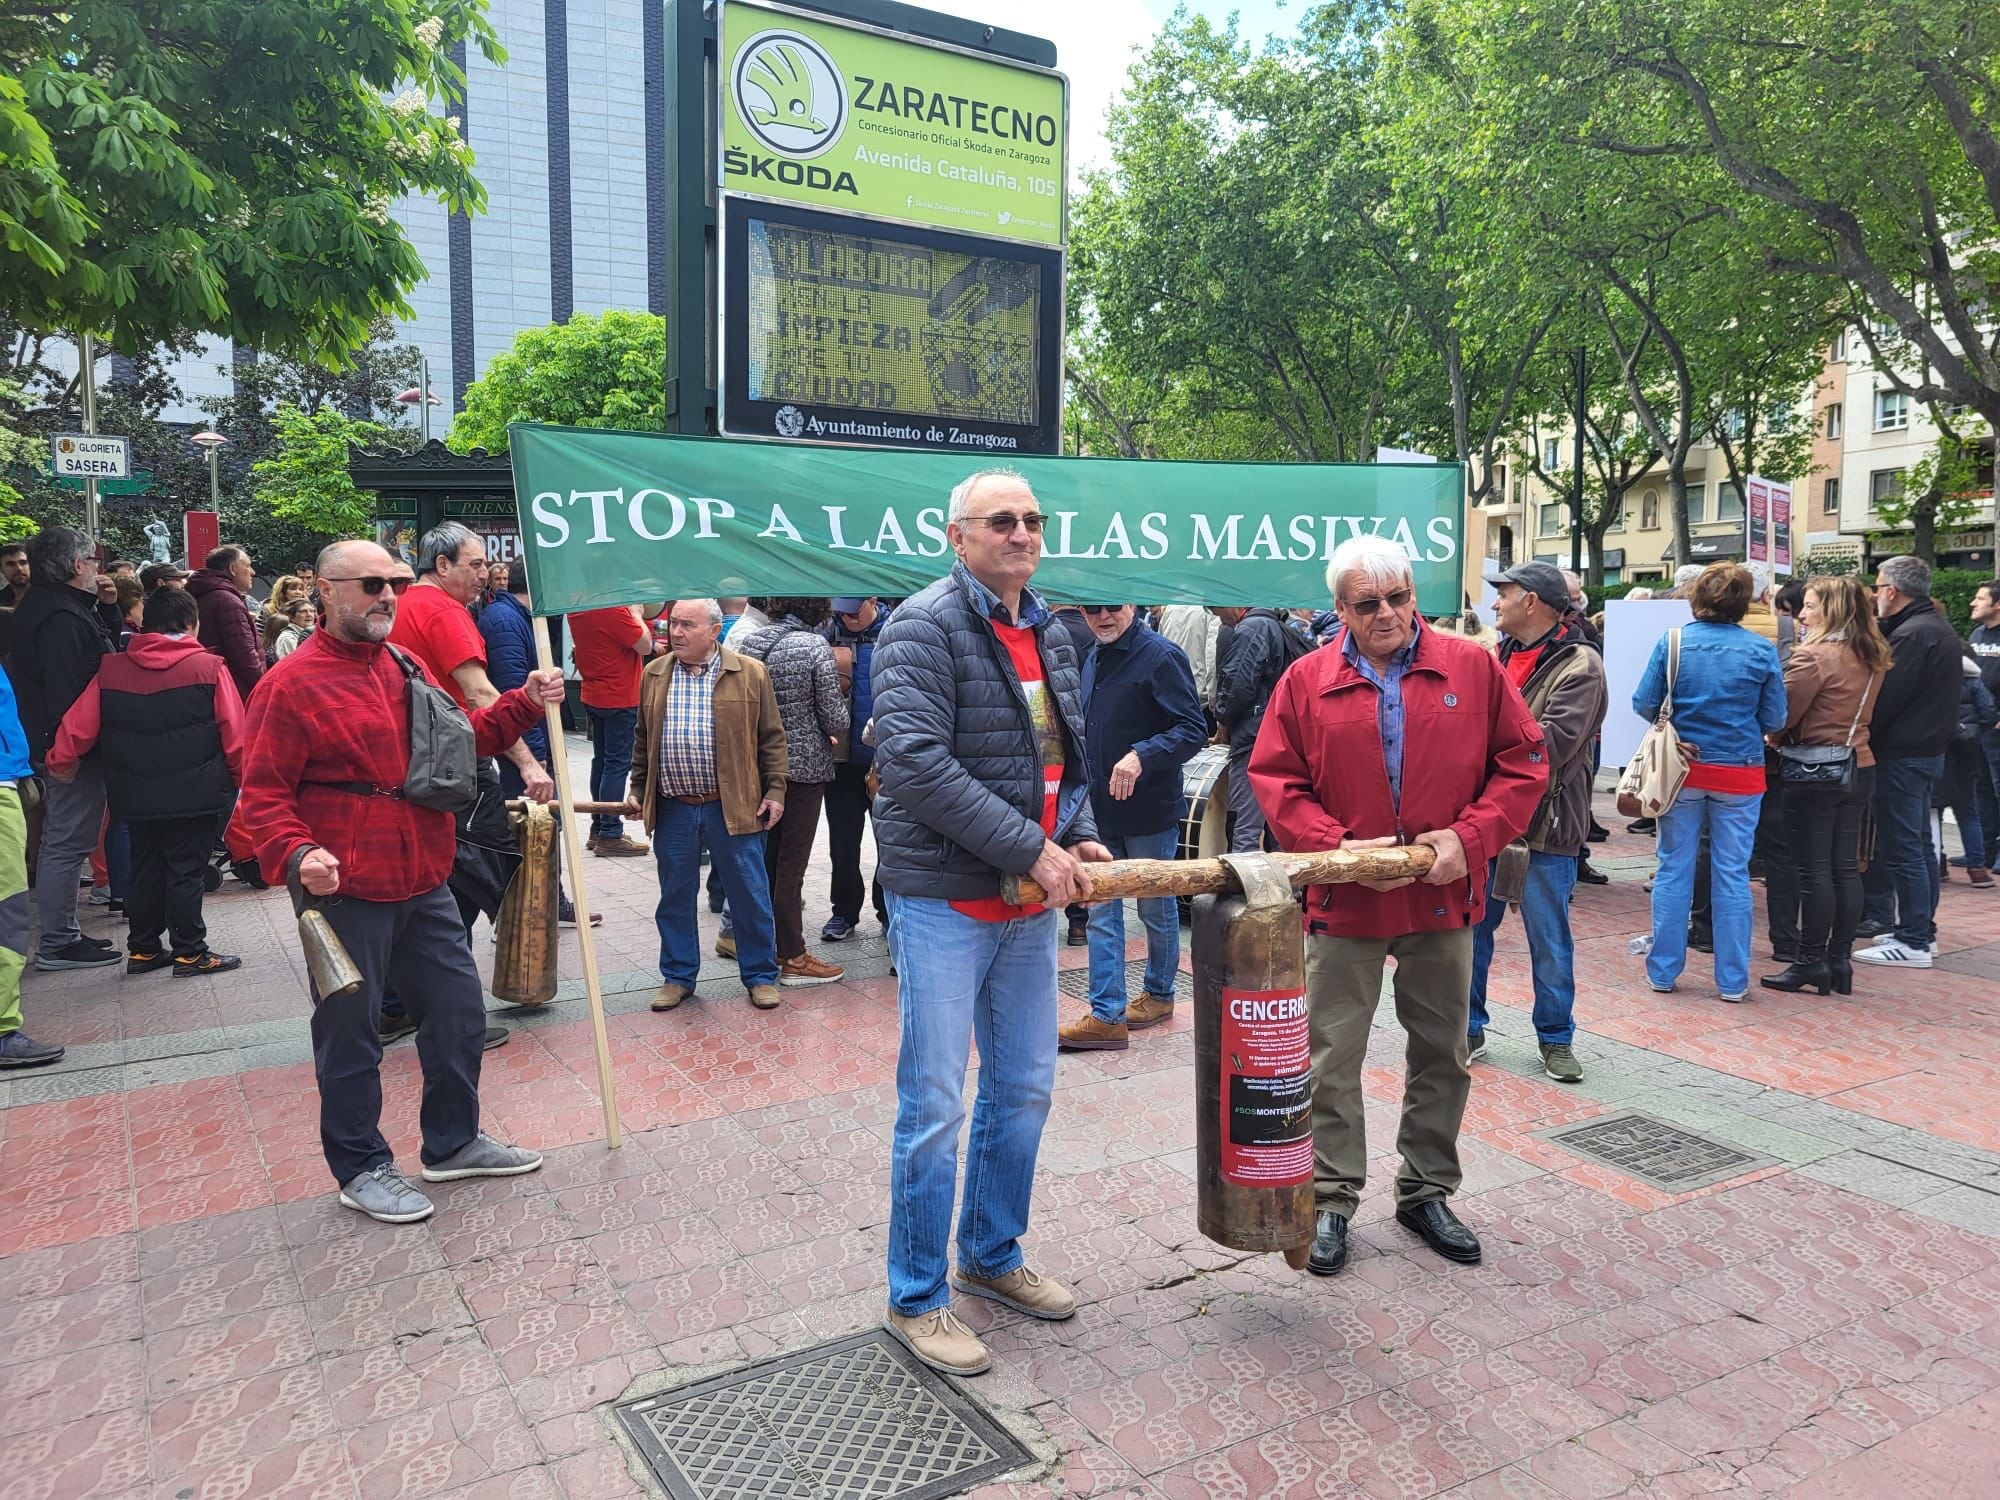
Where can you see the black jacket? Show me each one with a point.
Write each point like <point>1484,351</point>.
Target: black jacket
<point>1916,712</point>
<point>1248,662</point>
<point>1138,694</point>
<point>59,639</point>
<point>962,781</point>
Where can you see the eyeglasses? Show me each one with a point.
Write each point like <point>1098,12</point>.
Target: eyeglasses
<point>1003,522</point>
<point>373,586</point>
<point>1100,609</point>
<point>1367,607</point>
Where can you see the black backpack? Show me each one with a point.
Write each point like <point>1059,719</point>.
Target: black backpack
<point>444,753</point>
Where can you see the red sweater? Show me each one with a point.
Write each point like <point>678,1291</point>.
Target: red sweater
<point>337,711</point>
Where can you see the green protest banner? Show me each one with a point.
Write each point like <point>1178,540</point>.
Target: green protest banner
<point>842,116</point>
<point>626,517</point>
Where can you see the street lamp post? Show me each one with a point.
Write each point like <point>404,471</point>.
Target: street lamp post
<point>213,442</point>
<point>421,395</point>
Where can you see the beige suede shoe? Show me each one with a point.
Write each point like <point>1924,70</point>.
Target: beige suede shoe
<point>1149,1010</point>
<point>940,1341</point>
<point>1023,1290</point>
<point>667,996</point>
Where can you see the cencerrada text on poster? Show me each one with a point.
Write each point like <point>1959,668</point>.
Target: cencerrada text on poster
<point>839,116</point>
<point>624,517</point>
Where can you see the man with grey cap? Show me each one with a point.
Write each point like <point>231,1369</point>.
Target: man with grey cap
<point>1545,654</point>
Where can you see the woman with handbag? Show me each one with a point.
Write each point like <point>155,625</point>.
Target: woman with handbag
<point>1727,693</point>
<point>1831,683</point>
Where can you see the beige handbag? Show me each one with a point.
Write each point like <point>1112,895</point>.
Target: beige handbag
<point>1659,769</point>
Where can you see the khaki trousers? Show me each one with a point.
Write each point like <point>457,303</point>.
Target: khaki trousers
<point>1433,980</point>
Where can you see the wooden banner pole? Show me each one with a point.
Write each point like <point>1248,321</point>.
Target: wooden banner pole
<point>573,859</point>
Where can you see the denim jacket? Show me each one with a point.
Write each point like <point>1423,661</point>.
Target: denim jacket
<point>1728,694</point>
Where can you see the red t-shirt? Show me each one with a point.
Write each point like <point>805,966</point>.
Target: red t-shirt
<point>439,632</point>
<point>1019,641</point>
<point>602,641</point>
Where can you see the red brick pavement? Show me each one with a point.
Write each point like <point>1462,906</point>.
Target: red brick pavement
<point>189,1314</point>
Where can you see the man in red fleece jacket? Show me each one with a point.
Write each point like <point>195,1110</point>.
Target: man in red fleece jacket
<point>166,725</point>
<point>329,751</point>
<point>1394,734</point>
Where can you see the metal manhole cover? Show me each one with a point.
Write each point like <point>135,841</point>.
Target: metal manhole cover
<point>855,1419</point>
<point>1077,981</point>
<point>1669,1157</point>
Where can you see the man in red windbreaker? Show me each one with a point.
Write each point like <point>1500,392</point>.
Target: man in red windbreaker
<point>329,751</point>
<point>1395,734</point>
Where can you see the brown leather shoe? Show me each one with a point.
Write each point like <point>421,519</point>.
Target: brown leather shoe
<point>667,996</point>
<point>1149,1010</point>
<point>940,1341</point>
<point>622,847</point>
<point>1091,1035</point>
<point>1023,1290</point>
<point>807,970</point>
<point>725,945</point>
<point>764,996</point>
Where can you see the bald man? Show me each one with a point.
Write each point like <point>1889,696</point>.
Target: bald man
<point>324,786</point>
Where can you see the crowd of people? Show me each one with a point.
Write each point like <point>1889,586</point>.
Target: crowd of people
<point>360,735</point>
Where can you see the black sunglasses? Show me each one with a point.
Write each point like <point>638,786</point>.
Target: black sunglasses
<point>1366,607</point>
<point>1005,521</point>
<point>1100,609</point>
<point>372,586</point>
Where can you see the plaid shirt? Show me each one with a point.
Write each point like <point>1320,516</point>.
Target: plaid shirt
<point>687,731</point>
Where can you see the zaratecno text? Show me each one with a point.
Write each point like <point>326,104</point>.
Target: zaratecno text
<point>608,518</point>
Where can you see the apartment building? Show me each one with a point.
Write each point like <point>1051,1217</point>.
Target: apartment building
<point>1867,436</point>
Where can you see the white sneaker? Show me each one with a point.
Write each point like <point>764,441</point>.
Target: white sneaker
<point>1895,955</point>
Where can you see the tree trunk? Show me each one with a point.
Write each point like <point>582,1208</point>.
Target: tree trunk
<point>1923,526</point>
<point>1677,499</point>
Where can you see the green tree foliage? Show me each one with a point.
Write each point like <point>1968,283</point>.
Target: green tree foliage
<point>225,166</point>
<point>303,479</point>
<point>606,370</point>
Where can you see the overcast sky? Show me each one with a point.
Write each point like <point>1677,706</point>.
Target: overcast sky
<point>1097,39</point>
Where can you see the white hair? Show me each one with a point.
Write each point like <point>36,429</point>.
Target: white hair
<point>1641,592</point>
<point>1687,573</point>
<point>1760,579</point>
<point>961,493</point>
<point>707,606</point>
<point>1381,562</point>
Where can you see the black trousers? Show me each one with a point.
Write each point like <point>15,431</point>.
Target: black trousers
<point>1782,891</point>
<point>846,815</point>
<point>169,856</point>
<point>787,852</point>
<point>1825,838</point>
<point>419,948</point>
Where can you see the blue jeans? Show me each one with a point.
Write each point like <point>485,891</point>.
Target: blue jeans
<point>677,841</point>
<point>1551,954</point>
<point>1987,789</point>
<point>1902,879</point>
<point>1107,931</point>
<point>1731,821</point>
<point>962,979</point>
<point>611,731</point>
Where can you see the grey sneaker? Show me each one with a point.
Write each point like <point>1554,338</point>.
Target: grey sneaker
<point>81,954</point>
<point>1475,1046</point>
<point>1560,1063</point>
<point>482,1156</point>
<point>19,1050</point>
<point>385,1194</point>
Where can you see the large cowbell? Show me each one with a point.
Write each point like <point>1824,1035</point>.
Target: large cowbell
<point>1253,1065</point>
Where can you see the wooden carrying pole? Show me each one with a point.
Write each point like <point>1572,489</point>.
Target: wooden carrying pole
<point>573,852</point>
<point>1196,877</point>
<point>588,809</point>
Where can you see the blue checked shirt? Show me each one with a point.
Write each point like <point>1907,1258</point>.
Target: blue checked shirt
<point>687,731</point>
<point>1389,703</point>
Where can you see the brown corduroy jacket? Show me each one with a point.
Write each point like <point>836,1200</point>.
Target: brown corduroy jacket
<point>750,763</point>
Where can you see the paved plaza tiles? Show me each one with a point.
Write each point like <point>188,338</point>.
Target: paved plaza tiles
<point>189,1314</point>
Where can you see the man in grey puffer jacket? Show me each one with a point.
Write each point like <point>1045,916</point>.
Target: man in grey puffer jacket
<point>979,745</point>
